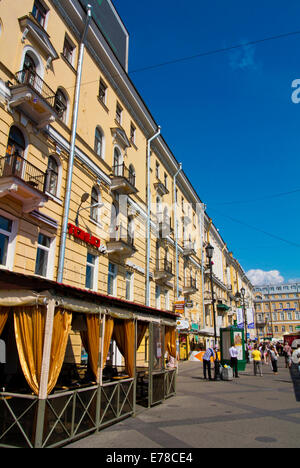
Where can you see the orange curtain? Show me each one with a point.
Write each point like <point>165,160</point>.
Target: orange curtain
<point>61,329</point>
<point>124,331</point>
<point>92,341</point>
<point>141,330</point>
<point>109,326</point>
<point>170,341</point>
<point>4,311</point>
<point>30,331</point>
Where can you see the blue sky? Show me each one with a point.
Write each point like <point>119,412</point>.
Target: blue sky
<point>229,117</point>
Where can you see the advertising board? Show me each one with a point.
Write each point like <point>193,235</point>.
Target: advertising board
<point>111,26</point>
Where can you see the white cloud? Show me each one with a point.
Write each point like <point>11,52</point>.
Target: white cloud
<point>260,277</point>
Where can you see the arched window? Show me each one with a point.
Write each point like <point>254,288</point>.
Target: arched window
<point>61,104</point>
<point>52,176</point>
<point>14,159</point>
<point>118,166</point>
<point>99,143</point>
<point>94,213</point>
<point>16,142</point>
<point>29,63</point>
<point>29,72</point>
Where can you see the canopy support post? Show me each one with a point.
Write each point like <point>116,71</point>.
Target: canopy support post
<point>39,430</point>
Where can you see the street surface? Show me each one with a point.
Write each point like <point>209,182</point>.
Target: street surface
<point>249,412</point>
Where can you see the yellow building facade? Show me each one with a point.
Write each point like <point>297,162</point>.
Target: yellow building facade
<point>106,240</point>
<point>277,309</point>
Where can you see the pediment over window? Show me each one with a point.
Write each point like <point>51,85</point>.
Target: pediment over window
<point>30,27</point>
<point>120,137</point>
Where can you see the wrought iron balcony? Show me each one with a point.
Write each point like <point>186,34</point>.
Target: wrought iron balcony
<point>23,181</point>
<point>121,243</point>
<point>35,98</point>
<point>123,180</point>
<point>161,188</point>
<point>190,286</point>
<point>189,249</point>
<point>261,323</point>
<point>163,271</point>
<point>164,225</point>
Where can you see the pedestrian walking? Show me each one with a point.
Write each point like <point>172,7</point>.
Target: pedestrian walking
<point>207,362</point>
<point>234,360</point>
<point>296,358</point>
<point>274,359</point>
<point>287,352</point>
<point>257,364</point>
<point>267,354</point>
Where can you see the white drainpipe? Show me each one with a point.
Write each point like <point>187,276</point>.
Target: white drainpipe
<point>72,151</point>
<point>148,233</point>
<point>176,230</point>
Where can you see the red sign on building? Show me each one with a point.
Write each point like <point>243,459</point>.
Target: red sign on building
<point>84,236</point>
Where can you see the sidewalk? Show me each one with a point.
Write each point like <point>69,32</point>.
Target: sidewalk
<point>249,412</point>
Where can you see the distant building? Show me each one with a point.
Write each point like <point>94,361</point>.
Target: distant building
<point>277,309</point>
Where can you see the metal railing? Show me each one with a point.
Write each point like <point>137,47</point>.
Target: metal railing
<point>164,265</point>
<point>15,165</point>
<point>120,170</point>
<point>189,245</point>
<point>33,80</point>
<point>190,283</point>
<point>163,385</point>
<point>68,415</point>
<point>122,234</point>
<point>18,416</point>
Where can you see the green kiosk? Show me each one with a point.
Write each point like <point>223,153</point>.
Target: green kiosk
<point>229,336</point>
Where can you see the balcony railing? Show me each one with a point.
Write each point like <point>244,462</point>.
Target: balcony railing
<point>34,81</point>
<point>122,234</point>
<point>189,248</point>
<point>164,266</point>
<point>120,170</point>
<point>16,166</point>
<point>190,283</point>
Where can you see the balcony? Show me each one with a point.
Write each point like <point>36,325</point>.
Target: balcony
<point>189,249</point>
<point>260,323</point>
<point>163,271</point>
<point>190,287</point>
<point>121,244</point>
<point>164,225</point>
<point>32,96</point>
<point>123,180</point>
<point>22,181</point>
<point>161,188</point>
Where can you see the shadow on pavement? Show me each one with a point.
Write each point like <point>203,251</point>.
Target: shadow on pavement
<point>295,376</point>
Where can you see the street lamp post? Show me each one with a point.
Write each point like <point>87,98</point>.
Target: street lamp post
<point>243,292</point>
<point>209,253</point>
